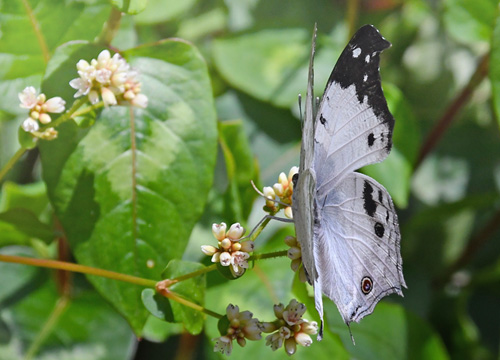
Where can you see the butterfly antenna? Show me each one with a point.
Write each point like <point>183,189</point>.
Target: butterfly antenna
<point>350,333</point>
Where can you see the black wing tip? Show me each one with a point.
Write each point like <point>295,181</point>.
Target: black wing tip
<point>369,31</point>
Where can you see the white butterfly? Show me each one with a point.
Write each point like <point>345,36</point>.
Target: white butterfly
<point>345,221</point>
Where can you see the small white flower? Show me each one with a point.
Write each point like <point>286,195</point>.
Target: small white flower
<point>303,339</point>
<point>28,98</point>
<point>219,231</point>
<point>247,246</point>
<point>54,105</point>
<point>140,100</point>
<point>282,179</point>
<point>225,258</point>
<point>239,261</point>
<point>93,97</point>
<point>224,345</point>
<point>293,312</point>
<point>82,85</point>
<point>208,250</point>
<point>278,189</point>
<point>30,125</point>
<point>269,193</point>
<point>235,231</point>
<point>108,97</point>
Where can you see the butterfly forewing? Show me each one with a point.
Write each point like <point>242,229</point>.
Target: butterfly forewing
<point>353,124</point>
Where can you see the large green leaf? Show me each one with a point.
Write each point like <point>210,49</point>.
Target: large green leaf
<point>270,68</point>
<point>129,190</point>
<point>87,328</point>
<point>42,25</point>
<point>192,289</point>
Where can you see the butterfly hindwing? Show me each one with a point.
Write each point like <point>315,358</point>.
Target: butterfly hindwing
<point>357,242</point>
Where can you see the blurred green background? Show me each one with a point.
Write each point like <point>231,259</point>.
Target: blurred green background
<point>441,79</point>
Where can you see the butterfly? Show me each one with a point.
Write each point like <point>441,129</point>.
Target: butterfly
<point>345,221</point>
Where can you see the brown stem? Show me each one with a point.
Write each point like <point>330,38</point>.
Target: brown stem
<point>473,246</point>
<point>453,109</point>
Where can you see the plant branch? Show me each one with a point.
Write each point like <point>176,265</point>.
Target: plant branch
<point>12,161</point>
<point>61,265</point>
<point>268,255</point>
<point>162,288</point>
<point>475,243</point>
<point>47,328</point>
<point>453,109</point>
<point>110,28</point>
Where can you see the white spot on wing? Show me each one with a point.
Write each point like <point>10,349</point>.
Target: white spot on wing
<point>365,77</point>
<point>356,52</point>
<point>367,58</point>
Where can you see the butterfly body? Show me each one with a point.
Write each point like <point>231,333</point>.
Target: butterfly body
<point>345,221</point>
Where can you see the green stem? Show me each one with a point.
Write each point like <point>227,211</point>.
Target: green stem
<point>61,265</point>
<point>173,296</point>
<point>67,115</point>
<point>20,152</point>
<point>270,255</point>
<point>47,328</point>
<point>88,109</point>
<point>194,274</point>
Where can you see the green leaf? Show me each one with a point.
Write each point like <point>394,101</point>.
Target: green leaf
<point>494,67</point>
<point>241,168</point>
<point>22,210</point>
<point>157,305</point>
<point>131,7</point>
<point>270,71</point>
<point>42,26</point>
<point>129,190</point>
<point>161,11</point>
<point>87,326</point>
<point>389,332</point>
<point>192,289</point>
<point>470,20</point>
<point>24,221</point>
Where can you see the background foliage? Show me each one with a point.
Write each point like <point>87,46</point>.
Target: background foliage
<point>119,189</point>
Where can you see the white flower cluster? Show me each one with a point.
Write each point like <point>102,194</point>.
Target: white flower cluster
<point>242,326</point>
<point>282,191</point>
<point>109,78</point>
<point>231,251</point>
<point>39,108</point>
<point>290,328</point>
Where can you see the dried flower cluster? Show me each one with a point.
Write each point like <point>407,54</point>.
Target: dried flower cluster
<point>241,326</point>
<point>231,251</point>
<point>294,253</point>
<point>290,328</point>
<point>282,191</point>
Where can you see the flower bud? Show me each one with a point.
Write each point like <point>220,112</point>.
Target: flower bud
<point>303,339</point>
<point>219,231</point>
<point>208,250</point>
<point>225,258</point>
<point>247,246</point>
<point>291,241</point>
<point>288,212</point>
<point>232,312</point>
<point>278,310</point>
<point>294,253</point>
<point>290,346</point>
<point>30,125</point>
<point>44,118</point>
<point>235,232</point>
<point>108,97</point>
<point>225,244</point>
